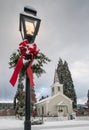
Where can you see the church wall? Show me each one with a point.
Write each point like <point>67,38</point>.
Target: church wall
<point>53,105</point>
<point>42,109</point>
<point>49,107</point>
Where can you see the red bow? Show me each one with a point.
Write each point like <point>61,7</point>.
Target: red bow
<point>33,51</point>
<point>25,49</point>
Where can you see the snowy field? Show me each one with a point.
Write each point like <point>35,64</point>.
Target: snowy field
<point>7,123</point>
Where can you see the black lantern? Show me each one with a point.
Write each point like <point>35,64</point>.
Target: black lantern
<point>29,27</point>
<point>29,24</point>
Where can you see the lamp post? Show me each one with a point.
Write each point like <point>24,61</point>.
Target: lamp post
<point>29,27</point>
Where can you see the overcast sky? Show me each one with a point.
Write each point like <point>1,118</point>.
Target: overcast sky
<point>64,32</point>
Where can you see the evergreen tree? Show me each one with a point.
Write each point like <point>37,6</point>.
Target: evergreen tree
<point>88,96</point>
<point>19,102</point>
<point>19,99</point>
<point>33,95</point>
<point>65,78</point>
<point>88,101</point>
<point>60,70</point>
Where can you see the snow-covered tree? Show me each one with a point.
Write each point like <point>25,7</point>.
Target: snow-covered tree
<point>65,78</point>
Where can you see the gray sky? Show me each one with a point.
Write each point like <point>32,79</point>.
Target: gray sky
<point>64,32</point>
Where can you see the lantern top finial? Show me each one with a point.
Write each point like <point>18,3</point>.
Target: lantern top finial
<point>30,10</point>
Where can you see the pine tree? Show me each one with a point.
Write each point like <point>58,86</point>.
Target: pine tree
<point>33,95</point>
<point>88,101</point>
<point>60,70</point>
<point>19,99</point>
<point>88,96</point>
<point>65,78</point>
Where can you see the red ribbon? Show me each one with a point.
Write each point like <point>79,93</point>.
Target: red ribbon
<point>24,48</point>
<point>17,70</point>
<point>30,75</point>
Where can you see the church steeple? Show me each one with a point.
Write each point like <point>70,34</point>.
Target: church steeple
<point>56,87</point>
<point>56,77</point>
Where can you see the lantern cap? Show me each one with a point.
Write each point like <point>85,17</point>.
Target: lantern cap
<point>24,14</point>
<point>30,10</point>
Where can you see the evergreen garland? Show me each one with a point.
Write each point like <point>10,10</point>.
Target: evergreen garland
<point>37,67</point>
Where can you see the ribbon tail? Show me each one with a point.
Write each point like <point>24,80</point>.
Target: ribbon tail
<point>30,75</point>
<point>17,70</point>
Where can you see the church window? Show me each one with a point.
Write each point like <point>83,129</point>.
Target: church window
<point>53,89</point>
<point>39,111</point>
<point>42,110</point>
<point>58,88</point>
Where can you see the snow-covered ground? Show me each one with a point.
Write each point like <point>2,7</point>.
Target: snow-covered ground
<point>10,123</point>
<point>7,123</point>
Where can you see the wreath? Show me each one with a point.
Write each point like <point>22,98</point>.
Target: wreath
<point>27,57</point>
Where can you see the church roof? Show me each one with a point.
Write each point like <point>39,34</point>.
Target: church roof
<point>54,96</point>
<point>64,96</point>
<point>43,100</point>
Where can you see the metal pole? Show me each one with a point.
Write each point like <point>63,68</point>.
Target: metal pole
<point>27,123</point>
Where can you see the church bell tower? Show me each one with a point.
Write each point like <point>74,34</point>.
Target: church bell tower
<point>56,87</point>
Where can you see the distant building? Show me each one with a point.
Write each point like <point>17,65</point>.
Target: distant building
<point>6,109</point>
<point>6,105</point>
<point>57,104</point>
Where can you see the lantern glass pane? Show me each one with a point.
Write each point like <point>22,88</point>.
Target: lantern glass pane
<point>30,26</point>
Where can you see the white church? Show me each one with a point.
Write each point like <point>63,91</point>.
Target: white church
<point>57,104</point>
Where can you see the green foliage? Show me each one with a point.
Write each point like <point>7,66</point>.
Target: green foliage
<point>88,95</point>
<point>19,100</point>
<point>13,59</point>
<point>65,78</point>
<point>37,68</point>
